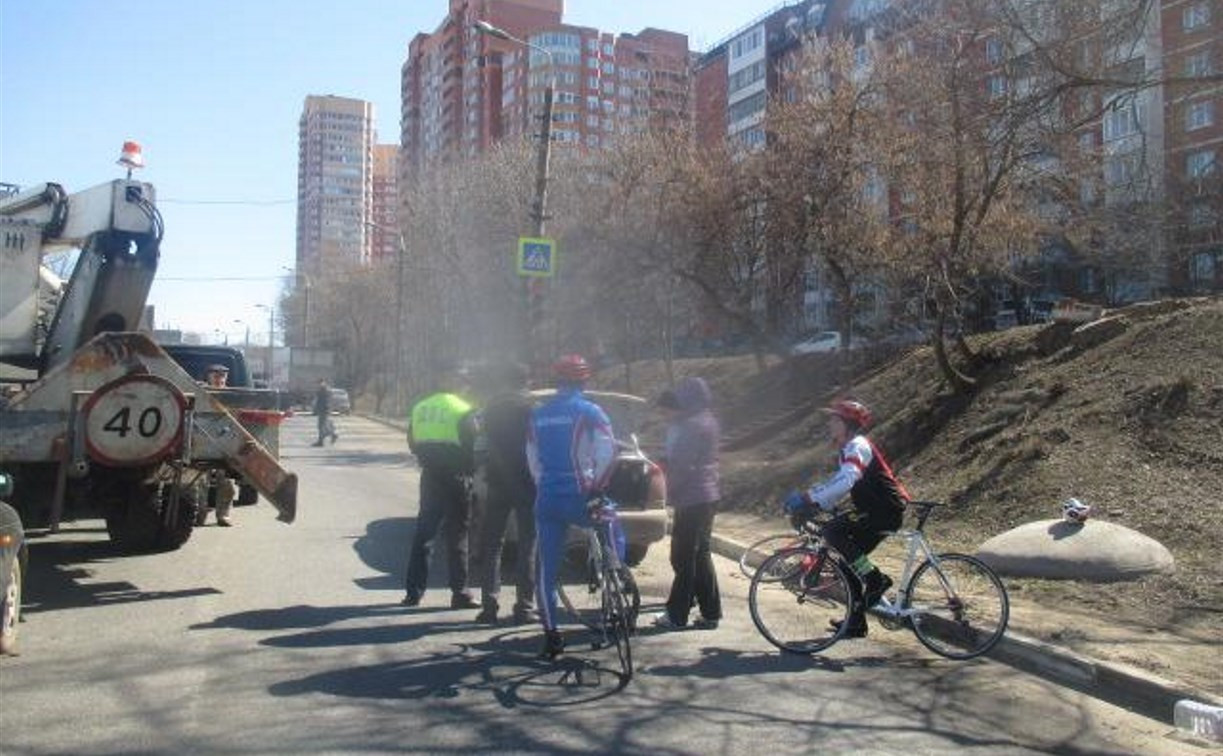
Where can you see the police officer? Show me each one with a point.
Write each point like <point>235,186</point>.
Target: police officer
<point>441,433</point>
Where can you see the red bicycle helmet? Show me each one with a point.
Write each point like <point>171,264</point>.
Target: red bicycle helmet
<point>850,411</point>
<point>572,368</point>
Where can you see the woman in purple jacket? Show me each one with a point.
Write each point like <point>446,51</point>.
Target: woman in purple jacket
<point>691,463</point>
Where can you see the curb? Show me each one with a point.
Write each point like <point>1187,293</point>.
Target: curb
<point>1132,689</point>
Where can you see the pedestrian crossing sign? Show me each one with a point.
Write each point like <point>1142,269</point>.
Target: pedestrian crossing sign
<point>536,257</point>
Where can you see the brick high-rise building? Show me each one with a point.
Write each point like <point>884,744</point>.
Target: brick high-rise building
<point>1192,42</point>
<point>384,233</point>
<point>450,84</point>
<point>334,182</point>
<point>462,91</point>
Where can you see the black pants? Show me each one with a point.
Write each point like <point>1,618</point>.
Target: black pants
<point>690,559</point>
<point>445,500</point>
<point>502,503</point>
<point>856,534</point>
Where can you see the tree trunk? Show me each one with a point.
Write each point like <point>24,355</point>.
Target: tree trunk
<point>960,382</point>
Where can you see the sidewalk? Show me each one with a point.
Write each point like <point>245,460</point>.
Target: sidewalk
<point>1123,685</point>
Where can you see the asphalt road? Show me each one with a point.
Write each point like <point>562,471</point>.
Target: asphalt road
<point>273,638</point>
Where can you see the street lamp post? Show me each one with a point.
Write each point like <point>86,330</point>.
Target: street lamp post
<point>247,342</point>
<point>539,210</point>
<point>267,376</point>
<point>305,278</point>
<point>399,265</point>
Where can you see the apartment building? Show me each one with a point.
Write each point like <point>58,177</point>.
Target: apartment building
<point>1192,41</point>
<point>384,221</point>
<point>334,182</point>
<point>450,83</point>
<point>463,91</point>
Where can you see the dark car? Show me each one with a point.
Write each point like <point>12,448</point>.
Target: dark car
<point>195,359</point>
<point>13,559</point>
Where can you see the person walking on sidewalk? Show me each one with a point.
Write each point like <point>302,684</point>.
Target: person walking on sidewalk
<point>570,451</point>
<point>690,459</point>
<point>510,491</point>
<point>322,412</point>
<point>441,433</point>
<point>878,499</point>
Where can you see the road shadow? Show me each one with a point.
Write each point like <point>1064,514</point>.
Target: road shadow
<point>59,571</point>
<point>504,666</point>
<point>297,616</point>
<point>384,547</point>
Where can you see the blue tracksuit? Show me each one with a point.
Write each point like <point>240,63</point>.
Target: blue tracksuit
<point>570,450</point>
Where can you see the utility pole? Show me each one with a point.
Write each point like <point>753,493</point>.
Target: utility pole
<point>533,287</point>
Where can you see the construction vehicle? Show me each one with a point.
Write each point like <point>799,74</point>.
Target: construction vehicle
<point>95,418</point>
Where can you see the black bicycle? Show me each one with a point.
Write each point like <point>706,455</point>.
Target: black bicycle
<point>606,599</point>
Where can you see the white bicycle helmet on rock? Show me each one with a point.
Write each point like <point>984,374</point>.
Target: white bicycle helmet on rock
<point>1075,511</point>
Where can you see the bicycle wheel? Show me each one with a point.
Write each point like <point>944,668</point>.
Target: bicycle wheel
<point>617,626</point>
<point>755,554</point>
<point>800,600</point>
<point>960,606</point>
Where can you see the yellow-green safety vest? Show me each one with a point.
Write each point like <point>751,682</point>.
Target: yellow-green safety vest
<point>436,419</point>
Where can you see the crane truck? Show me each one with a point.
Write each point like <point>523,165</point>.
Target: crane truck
<point>95,418</point>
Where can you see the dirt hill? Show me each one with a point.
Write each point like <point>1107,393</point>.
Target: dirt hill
<point>1125,414</point>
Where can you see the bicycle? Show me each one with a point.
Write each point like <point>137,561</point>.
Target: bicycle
<point>608,601</point>
<point>801,599</point>
<point>755,553</point>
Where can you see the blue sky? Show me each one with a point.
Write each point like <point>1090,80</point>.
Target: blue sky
<point>212,91</point>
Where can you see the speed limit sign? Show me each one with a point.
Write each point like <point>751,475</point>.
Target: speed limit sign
<point>134,420</point>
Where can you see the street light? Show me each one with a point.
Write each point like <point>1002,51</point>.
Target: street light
<point>304,276</point>
<point>267,376</point>
<point>399,263</point>
<point>539,212</point>
<point>246,343</point>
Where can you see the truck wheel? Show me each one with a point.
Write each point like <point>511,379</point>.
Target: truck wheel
<point>176,530</point>
<point>10,605</point>
<point>247,495</point>
<point>139,523</point>
<point>133,522</point>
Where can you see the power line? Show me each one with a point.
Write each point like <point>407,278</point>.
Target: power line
<point>224,278</point>
<point>172,201</point>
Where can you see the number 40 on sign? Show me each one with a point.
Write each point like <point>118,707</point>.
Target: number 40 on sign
<point>536,257</point>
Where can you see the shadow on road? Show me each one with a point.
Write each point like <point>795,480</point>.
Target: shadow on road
<point>59,571</point>
<point>504,666</point>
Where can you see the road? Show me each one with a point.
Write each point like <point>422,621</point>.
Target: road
<point>273,638</point>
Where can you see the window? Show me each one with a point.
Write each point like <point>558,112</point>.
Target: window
<point>1201,214</point>
<point>592,62</point>
<point>1195,16</point>
<point>995,85</point>
<point>1200,164</point>
<point>1123,118</point>
<point>993,51</point>
<point>1199,115</point>
<point>592,82</point>
<point>745,108</point>
<point>862,56</point>
<point>608,49</point>
<point>1087,141</point>
<point>1198,64</point>
<point>609,67</point>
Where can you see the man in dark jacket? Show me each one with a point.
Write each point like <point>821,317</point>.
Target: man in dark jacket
<point>322,413</point>
<point>691,463</point>
<point>441,433</point>
<point>511,490</point>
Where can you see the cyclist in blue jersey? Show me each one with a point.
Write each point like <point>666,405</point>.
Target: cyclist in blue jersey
<point>570,450</point>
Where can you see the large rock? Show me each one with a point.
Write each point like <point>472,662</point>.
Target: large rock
<point>1097,551</point>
